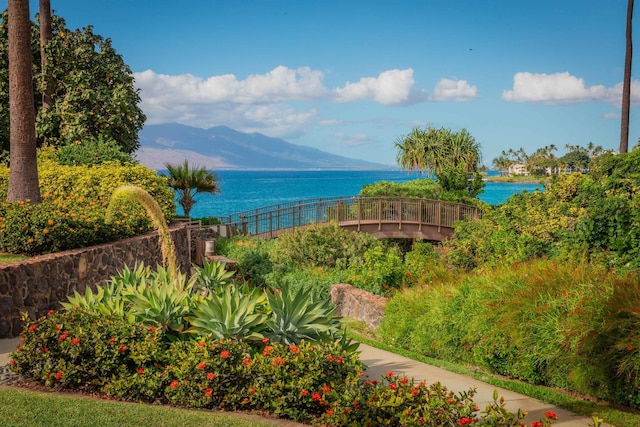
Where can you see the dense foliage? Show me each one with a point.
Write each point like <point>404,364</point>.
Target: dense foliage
<point>93,99</point>
<point>312,382</point>
<point>73,210</point>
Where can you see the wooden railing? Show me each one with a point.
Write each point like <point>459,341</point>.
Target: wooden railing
<point>353,212</point>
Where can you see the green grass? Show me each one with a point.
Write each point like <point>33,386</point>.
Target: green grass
<point>30,408</point>
<point>517,178</point>
<point>611,415</point>
<point>11,257</point>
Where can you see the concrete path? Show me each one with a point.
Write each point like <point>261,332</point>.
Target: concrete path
<point>380,362</point>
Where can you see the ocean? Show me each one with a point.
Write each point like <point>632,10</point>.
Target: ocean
<point>246,190</point>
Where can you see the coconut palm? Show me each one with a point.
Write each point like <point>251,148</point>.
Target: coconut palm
<point>23,173</point>
<point>626,88</point>
<point>188,180</point>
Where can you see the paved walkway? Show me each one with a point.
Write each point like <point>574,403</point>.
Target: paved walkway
<point>379,362</point>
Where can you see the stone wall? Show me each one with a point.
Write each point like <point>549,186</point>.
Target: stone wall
<point>358,304</point>
<point>39,284</point>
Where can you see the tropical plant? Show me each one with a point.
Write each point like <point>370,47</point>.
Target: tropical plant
<point>189,180</point>
<point>91,89</point>
<point>230,313</point>
<point>297,317</point>
<point>23,176</point>
<point>212,275</point>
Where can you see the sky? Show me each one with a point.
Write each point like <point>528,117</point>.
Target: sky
<point>352,77</point>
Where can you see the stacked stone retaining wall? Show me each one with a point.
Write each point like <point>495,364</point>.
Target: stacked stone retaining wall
<point>39,284</point>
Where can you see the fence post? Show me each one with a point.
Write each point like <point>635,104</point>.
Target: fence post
<point>420,215</point>
<point>243,224</point>
<point>359,212</point>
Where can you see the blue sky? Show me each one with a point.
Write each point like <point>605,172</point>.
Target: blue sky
<point>351,77</point>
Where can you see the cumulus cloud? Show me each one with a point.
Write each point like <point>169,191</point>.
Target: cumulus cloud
<point>274,103</point>
<point>454,90</point>
<point>563,88</point>
<point>389,88</point>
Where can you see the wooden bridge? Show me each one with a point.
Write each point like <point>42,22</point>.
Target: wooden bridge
<point>384,217</point>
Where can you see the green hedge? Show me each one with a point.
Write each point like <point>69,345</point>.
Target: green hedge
<point>74,201</point>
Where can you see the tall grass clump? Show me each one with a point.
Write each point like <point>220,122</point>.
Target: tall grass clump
<point>570,325</point>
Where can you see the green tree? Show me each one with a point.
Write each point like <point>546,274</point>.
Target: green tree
<point>188,181</point>
<point>443,152</point>
<point>92,89</point>
<point>23,175</point>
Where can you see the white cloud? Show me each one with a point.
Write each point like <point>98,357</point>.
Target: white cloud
<point>454,90</point>
<point>563,88</point>
<point>611,116</point>
<point>389,88</point>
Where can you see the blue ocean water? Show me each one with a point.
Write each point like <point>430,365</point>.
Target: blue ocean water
<point>246,190</point>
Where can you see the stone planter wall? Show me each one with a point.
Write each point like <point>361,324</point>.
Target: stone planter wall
<point>40,283</point>
<point>358,304</point>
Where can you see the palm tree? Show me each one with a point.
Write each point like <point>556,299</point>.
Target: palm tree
<point>626,88</point>
<point>45,37</point>
<point>23,172</point>
<point>188,180</point>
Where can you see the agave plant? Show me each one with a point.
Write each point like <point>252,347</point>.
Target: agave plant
<point>106,300</point>
<point>297,317</point>
<point>212,275</point>
<point>230,313</point>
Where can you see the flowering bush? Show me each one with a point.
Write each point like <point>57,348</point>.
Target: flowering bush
<point>312,382</point>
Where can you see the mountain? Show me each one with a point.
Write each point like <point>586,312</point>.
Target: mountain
<point>221,147</point>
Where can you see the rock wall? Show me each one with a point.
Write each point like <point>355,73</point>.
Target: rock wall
<point>39,284</point>
<point>358,304</point>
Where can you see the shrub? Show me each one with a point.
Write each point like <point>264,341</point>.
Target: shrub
<point>72,213</point>
<point>252,257</point>
<point>322,246</point>
<point>381,272</point>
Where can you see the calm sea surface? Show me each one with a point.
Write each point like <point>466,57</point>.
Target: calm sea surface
<point>246,190</point>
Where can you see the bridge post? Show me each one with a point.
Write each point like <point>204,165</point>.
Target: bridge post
<point>420,215</point>
<point>439,216</point>
<point>271,224</point>
<point>379,214</point>
<point>243,225</point>
<point>400,214</point>
<point>359,212</point>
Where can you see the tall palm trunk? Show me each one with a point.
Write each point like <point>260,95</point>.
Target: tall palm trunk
<point>45,38</point>
<point>23,173</point>
<point>626,89</point>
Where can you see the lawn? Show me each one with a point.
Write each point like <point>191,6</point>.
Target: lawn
<point>11,257</point>
<point>30,408</point>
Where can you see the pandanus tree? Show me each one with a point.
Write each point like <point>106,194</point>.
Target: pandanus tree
<point>189,180</point>
<point>453,157</point>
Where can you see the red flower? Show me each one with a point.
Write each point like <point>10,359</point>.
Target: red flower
<point>211,376</point>
<point>63,337</point>
<point>152,329</point>
<point>265,340</point>
<point>252,391</point>
<point>140,371</point>
<point>50,312</point>
<point>174,384</point>
<point>44,349</point>
<point>201,344</point>
<point>537,424</point>
<point>451,400</point>
<point>225,354</point>
<point>389,374</point>
<point>58,328</point>
<point>304,393</point>
<point>294,349</point>
<point>267,351</point>
<point>208,392</point>
<point>122,348</point>
<point>476,408</point>
<point>630,348</point>
<point>246,362</point>
<point>465,421</point>
<point>32,328</point>
<point>404,380</point>
<point>393,386</point>
<point>325,388</point>
<point>316,396</point>
<point>58,376</point>
<point>339,360</point>
<point>278,361</point>
<point>12,362</point>
<point>329,411</point>
<point>329,358</point>
<point>202,365</point>
<point>415,391</point>
<point>551,415</point>
<point>75,341</point>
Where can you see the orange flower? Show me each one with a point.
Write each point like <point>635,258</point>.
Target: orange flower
<point>208,392</point>
<point>45,231</point>
<point>225,354</point>
<point>211,376</point>
<point>174,384</point>
<point>202,365</point>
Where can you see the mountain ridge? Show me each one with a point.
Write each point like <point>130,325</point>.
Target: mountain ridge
<point>222,147</point>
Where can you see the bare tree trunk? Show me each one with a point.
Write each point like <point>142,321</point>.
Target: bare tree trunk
<point>626,89</point>
<point>23,172</point>
<point>45,38</point>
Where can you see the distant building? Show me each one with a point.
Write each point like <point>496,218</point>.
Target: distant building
<point>518,169</point>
